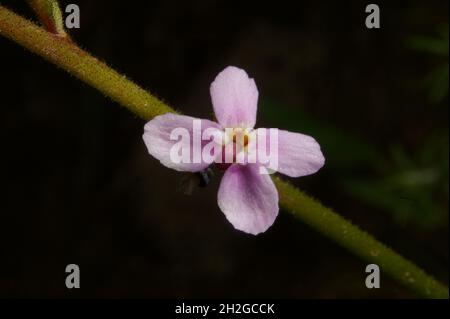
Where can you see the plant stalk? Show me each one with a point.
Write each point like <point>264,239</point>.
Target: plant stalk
<point>66,55</point>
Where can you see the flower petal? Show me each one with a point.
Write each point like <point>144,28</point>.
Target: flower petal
<point>157,134</point>
<point>298,154</point>
<point>235,98</point>
<point>248,198</point>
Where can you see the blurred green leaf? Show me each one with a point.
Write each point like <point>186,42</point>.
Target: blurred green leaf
<point>438,46</point>
<point>342,149</point>
<point>412,187</point>
<point>438,80</point>
<point>415,190</point>
<point>408,204</point>
<point>438,83</point>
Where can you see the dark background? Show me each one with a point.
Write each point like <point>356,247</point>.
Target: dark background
<point>79,187</point>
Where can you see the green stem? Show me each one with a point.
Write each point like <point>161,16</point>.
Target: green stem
<point>335,227</point>
<point>79,63</point>
<point>65,54</point>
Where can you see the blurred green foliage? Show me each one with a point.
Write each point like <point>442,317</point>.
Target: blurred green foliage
<point>437,46</point>
<point>411,187</point>
<point>343,149</point>
<point>414,188</point>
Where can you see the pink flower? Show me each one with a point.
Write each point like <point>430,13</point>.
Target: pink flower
<point>247,196</point>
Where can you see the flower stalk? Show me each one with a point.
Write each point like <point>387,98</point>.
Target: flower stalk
<point>66,55</point>
<point>362,244</point>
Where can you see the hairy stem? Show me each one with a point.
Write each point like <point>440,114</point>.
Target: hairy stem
<point>90,70</point>
<point>357,241</point>
<point>68,56</point>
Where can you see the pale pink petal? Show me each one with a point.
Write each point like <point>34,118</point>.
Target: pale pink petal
<point>157,139</point>
<point>248,199</point>
<point>235,98</point>
<point>297,154</point>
